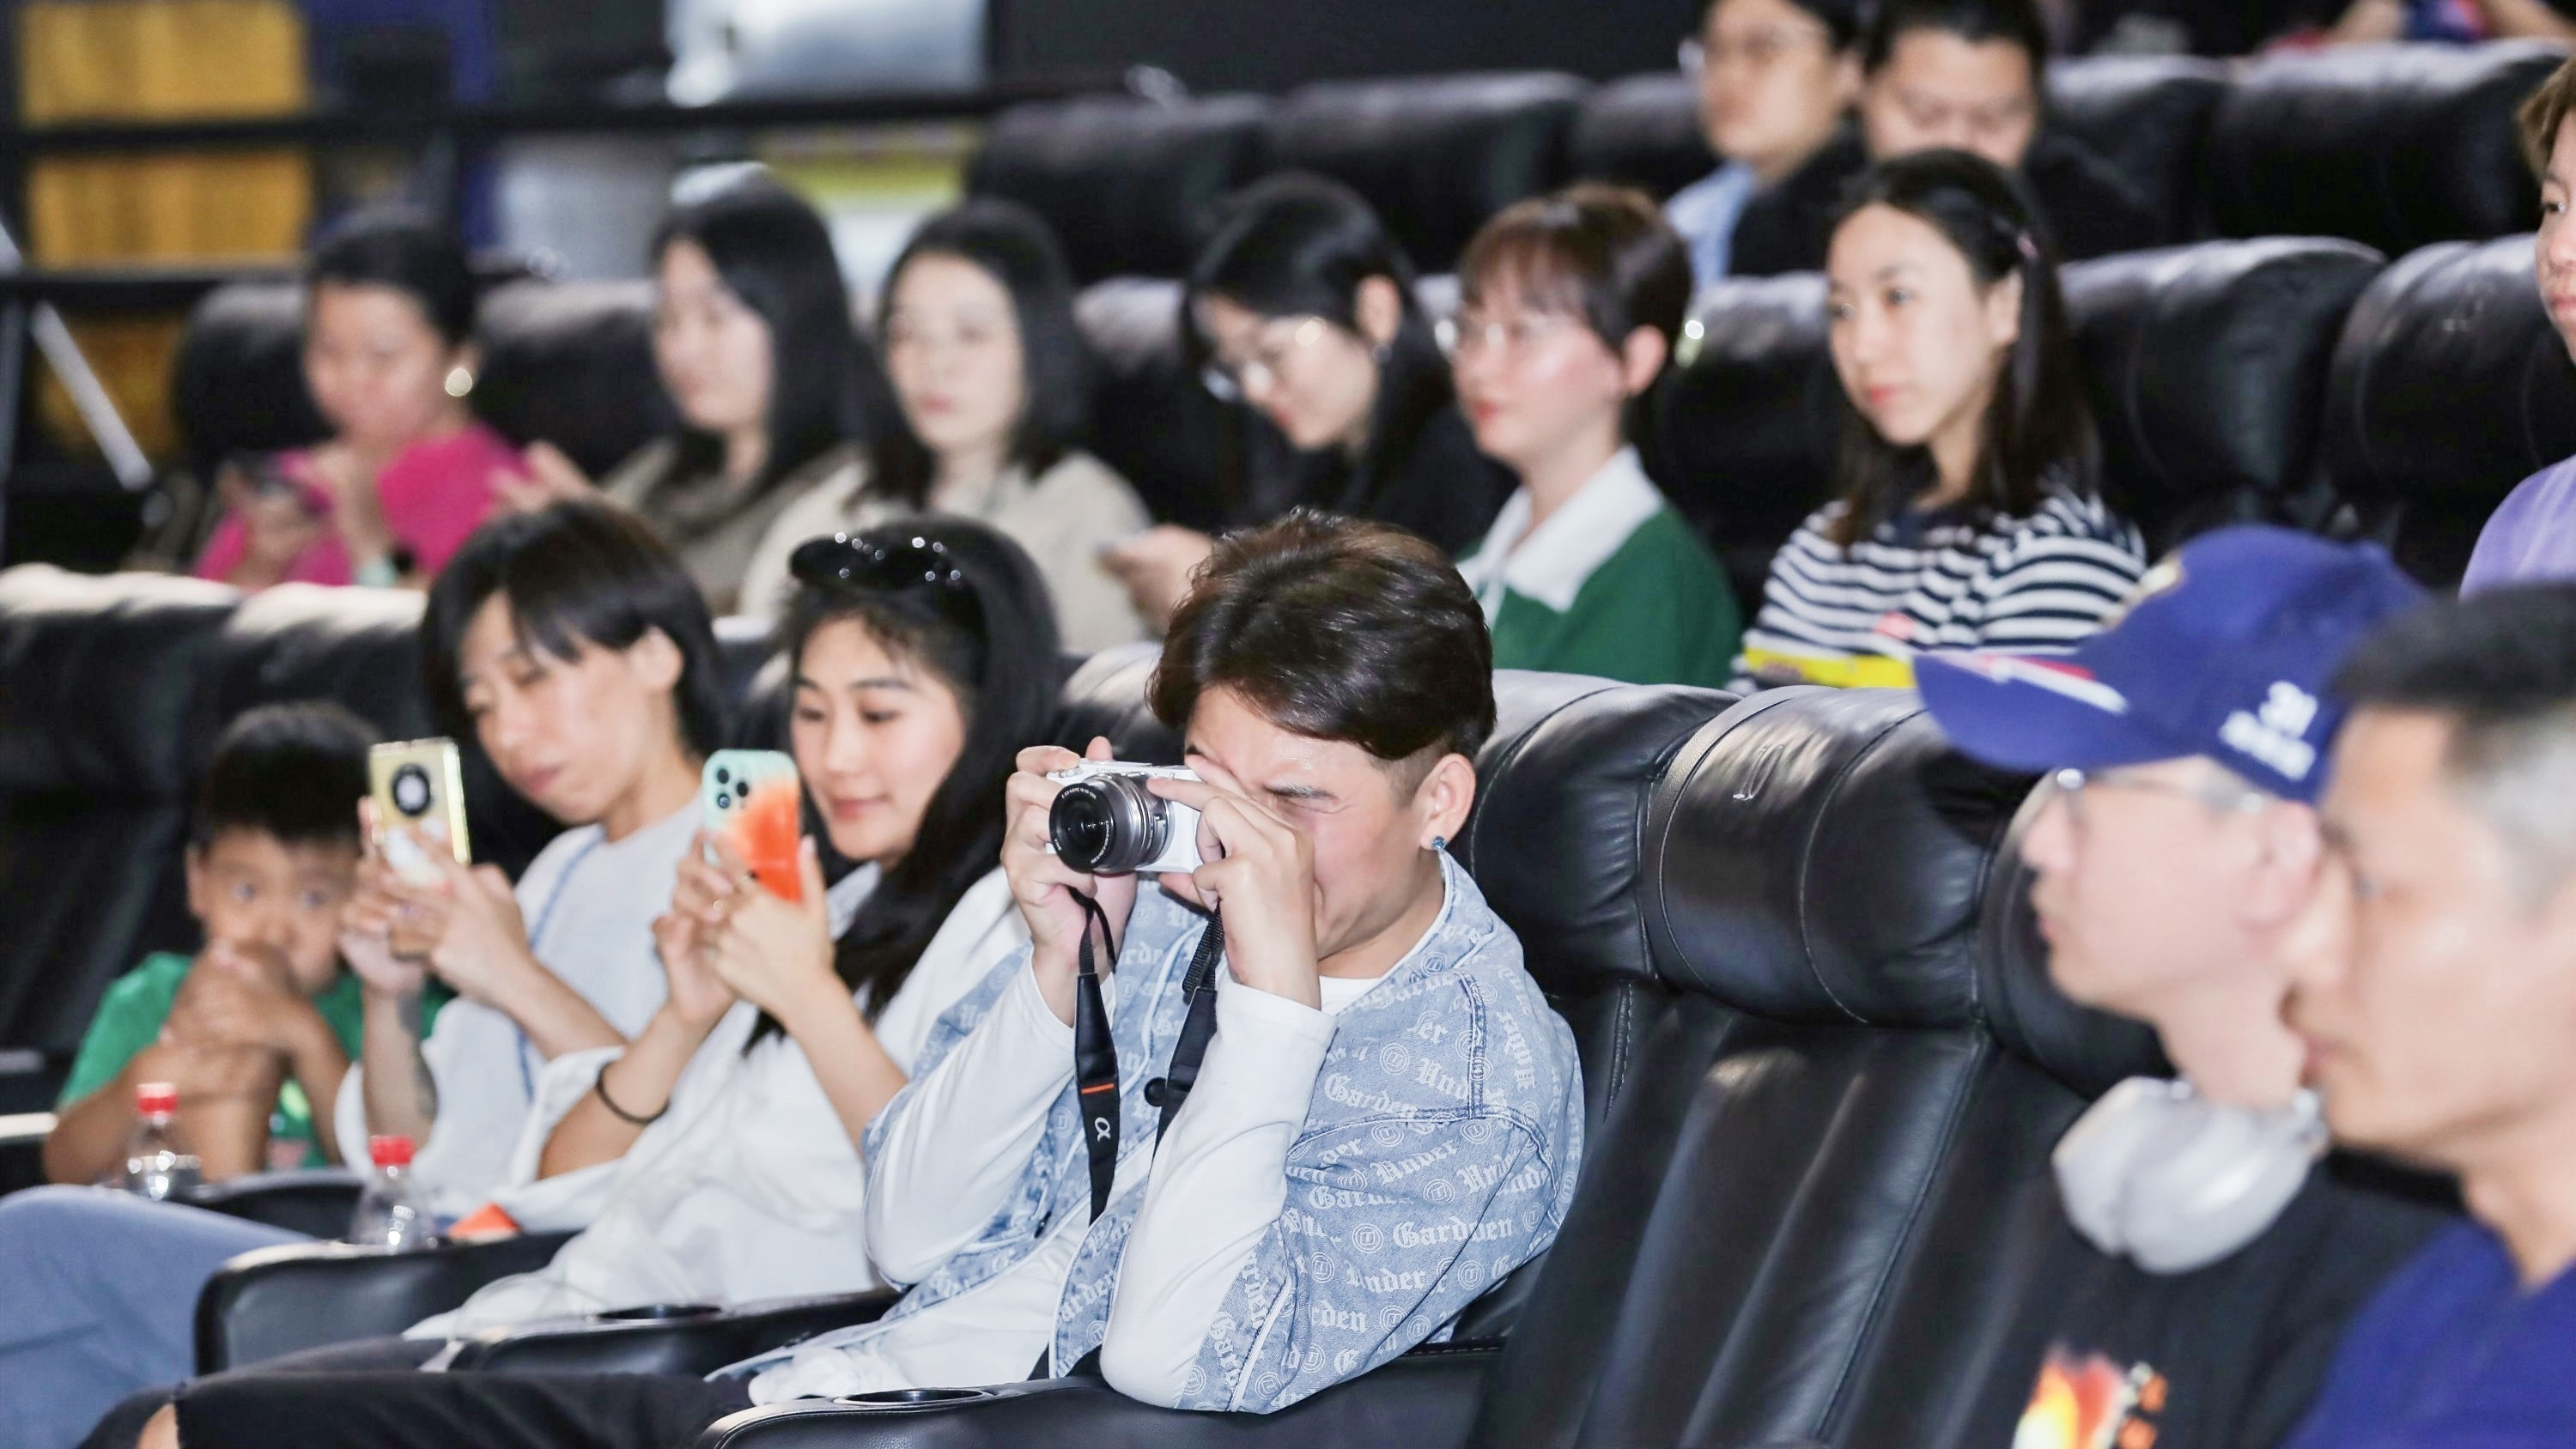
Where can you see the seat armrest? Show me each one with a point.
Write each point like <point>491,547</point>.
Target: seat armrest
<point>683,1338</point>
<point>1424,1400</point>
<point>304,1295</point>
<point>314,1201</point>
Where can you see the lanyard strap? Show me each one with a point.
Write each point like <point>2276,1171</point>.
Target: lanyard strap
<point>522,1048</point>
<point>1095,1049</point>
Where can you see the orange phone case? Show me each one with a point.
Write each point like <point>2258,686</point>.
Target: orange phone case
<point>752,798</point>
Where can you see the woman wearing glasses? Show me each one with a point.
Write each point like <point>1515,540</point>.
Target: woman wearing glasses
<point>995,385</point>
<point>1776,79</point>
<point>1304,308</point>
<point>1568,308</point>
<point>1969,517</point>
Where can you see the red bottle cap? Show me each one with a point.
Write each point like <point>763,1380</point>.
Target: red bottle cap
<point>156,1099</point>
<point>389,1151</point>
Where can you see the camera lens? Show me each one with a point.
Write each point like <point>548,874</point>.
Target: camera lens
<point>723,776</point>
<point>411,790</point>
<point>724,802</point>
<point>1106,825</point>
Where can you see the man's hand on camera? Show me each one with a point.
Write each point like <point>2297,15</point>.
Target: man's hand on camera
<point>1044,885</point>
<point>1260,871</point>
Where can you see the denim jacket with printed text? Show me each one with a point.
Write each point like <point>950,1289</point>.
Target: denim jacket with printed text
<point>1438,1153</point>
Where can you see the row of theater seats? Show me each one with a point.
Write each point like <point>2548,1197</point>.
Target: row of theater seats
<point>2305,380</point>
<point>1823,1072</point>
<point>2393,146</point>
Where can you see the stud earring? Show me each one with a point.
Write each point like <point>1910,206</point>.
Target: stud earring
<point>1439,843</point>
<point>460,380</point>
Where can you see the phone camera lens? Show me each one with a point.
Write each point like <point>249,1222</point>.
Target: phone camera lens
<point>724,776</point>
<point>724,802</point>
<point>411,790</point>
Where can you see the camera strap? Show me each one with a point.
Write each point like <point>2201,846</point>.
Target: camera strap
<point>1095,1049</point>
<point>1095,1059</point>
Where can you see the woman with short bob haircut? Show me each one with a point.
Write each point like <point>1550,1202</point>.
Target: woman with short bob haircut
<point>1969,515</point>
<point>994,385</point>
<point>756,345</point>
<point>1569,306</point>
<point>1303,307</point>
<point>407,473</point>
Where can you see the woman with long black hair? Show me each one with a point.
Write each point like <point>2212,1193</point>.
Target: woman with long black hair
<point>1970,515</point>
<point>757,348</point>
<point>1304,308</point>
<point>715,1157</point>
<point>994,385</point>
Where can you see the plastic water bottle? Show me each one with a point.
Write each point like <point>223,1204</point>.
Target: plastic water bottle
<point>392,1213</point>
<point>154,1165</point>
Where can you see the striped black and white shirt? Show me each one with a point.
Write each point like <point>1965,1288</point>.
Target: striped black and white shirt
<point>1937,580</point>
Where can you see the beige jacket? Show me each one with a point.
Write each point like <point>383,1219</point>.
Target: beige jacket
<point>1064,518</point>
<point>707,522</point>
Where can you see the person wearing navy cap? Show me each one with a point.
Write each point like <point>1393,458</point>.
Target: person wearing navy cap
<point>2213,1249</point>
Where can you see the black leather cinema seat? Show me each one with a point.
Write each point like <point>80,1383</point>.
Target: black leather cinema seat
<point>1435,155</point>
<point>1642,131</point>
<point>97,688</point>
<point>237,379</point>
<point>571,363</point>
<point>2207,365</point>
<point>2146,115</point>
<point>2449,386</point>
<point>1746,429</point>
<point>1188,452</point>
<point>2393,145</point>
<point>1131,186</point>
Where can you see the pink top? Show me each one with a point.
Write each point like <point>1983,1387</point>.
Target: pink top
<point>433,495</point>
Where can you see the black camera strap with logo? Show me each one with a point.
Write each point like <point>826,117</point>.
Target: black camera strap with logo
<point>1095,1048</point>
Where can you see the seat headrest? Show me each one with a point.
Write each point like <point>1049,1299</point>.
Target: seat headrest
<point>1130,186</point>
<point>1745,432</point>
<point>1106,696</point>
<point>1435,155</point>
<point>2206,365</point>
<point>237,380</point>
<point>2393,145</point>
<point>2450,385</point>
<point>1822,856</point>
<point>1554,840</point>
<point>571,363</point>
<point>102,677</point>
<point>1642,131</point>
<point>2089,1051</point>
<point>1186,451</point>
<point>2145,114</point>
<point>359,648</point>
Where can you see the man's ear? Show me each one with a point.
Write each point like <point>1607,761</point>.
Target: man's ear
<point>1443,798</point>
<point>657,662</point>
<point>2289,850</point>
<point>1641,359</point>
<point>1379,310</point>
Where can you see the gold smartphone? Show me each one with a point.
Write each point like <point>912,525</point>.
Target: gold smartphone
<point>419,783</point>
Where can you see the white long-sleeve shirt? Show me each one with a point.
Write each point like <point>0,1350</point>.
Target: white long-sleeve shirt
<point>1215,1186</point>
<point>749,1186</point>
<point>589,904</point>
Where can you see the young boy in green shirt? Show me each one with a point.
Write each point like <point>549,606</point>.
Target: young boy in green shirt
<point>257,1030</point>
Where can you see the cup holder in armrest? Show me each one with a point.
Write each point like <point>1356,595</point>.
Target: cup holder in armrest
<point>658,1312</point>
<point>912,1398</point>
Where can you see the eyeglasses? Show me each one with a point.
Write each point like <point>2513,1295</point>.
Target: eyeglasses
<point>1760,50</point>
<point>2225,798</point>
<point>897,566</point>
<point>1510,338</point>
<point>1279,341</point>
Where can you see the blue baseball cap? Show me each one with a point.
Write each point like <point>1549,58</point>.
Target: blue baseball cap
<point>2225,649</point>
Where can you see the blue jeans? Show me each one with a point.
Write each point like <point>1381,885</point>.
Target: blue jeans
<point>98,1298</point>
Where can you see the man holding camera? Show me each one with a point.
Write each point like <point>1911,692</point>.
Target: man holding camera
<point>1388,1116</point>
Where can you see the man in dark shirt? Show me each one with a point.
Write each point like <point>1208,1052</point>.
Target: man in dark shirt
<point>1955,73</point>
<point>2201,1264</point>
<point>2437,995</point>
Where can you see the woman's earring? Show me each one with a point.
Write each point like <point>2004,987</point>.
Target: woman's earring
<point>1382,354</point>
<point>1439,843</point>
<point>460,380</point>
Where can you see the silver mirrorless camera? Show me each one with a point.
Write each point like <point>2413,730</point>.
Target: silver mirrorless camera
<point>1105,822</point>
